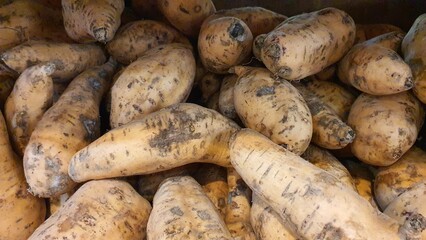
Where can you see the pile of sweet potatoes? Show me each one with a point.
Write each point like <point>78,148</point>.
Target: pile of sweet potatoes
<point>167,119</point>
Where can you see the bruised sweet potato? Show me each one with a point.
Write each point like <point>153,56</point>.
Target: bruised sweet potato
<point>32,95</point>
<point>258,19</point>
<point>257,45</point>
<point>394,180</point>
<point>309,198</point>
<point>98,210</point>
<point>69,59</point>
<point>68,126</point>
<point>226,97</point>
<point>21,212</point>
<point>223,43</point>
<point>161,77</point>
<point>385,126</point>
<point>305,44</point>
<point>414,51</point>
<point>135,38</point>
<point>272,107</point>
<point>181,210</point>
<point>171,137</point>
<point>23,20</point>
<point>186,15</point>
<point>92,20</point>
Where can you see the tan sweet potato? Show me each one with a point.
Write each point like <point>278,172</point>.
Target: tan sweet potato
<point>267,224</point>
<point>258,19</point>
<point>305,44</point>
<point>333,95</point>
<point>394,180</point>
<point>92,20</point>
<point>409,210</point>
<point>238,207</point>
<point>258,42</point>
<point>58,89</point>
<point>21,212</point>
<point>24,20</point>
<point>368,31</point>
<point>161,77</point>
<point>171,137</point>
<point>32,95</point>
<point>186,15</point>
<point>374,67</point>
<point>135,38</point>
<point>226,97</point>
<point>69,59</point>
<point>209,85</point>
<point>223,43</point>
<point>329,131</point>
<point>181,210</point>
<point>68,126</point>
<point>308,198</point>
<point>98,210</point>
<point>385,126</point>
<point>326,74</point>
<point>56,203</point>
<point>415,55</point>
<point>273,107</point>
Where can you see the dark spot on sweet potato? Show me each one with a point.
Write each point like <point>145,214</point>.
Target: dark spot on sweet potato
<point>284,71</point>
<point>182,9</point>
<point>204,215</point>
<point>346,19</point>
<point>177,211</point>
<point>20,194</point>
<point>414,221</point>
<point>94,83</point>
<point>236,31</point>
<point>4,19</point>
<point>266,90</point>
<point>409,83</point>
<point>91,126</point>
<point>30,62</point>
<point>324,12</point>
<point>274,51</point>
<point>197,8</point>
<point>330,232</point>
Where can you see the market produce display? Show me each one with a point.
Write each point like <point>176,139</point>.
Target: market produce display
<point>176,119</point>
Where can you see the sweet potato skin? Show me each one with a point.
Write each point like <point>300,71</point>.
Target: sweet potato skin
<point>209,84</point>
<point>385,126</point>
<point>305,44</point>
<point>182,210</point>
<point>96,210</point>
<point>226,97</point>
<point>69,125</point>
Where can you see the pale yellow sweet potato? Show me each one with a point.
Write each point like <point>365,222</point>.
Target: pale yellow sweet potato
<point>135,38</point>
<point>273,107</point>
<point>69,59</point>
<point>226,97</point>
<point>32,95</point>
<point>386,126</point>
<point>171,137</point>
<point>223,43</point>
<point>105,209</point>
<point>305,44</point>
<point>162,77</point>
<point>181,210</point>
<point>68,126</point>
<point>314,203</point>
<point>92,20</point>
<point>21,212</point>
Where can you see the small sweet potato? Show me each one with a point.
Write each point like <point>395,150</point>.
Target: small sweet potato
<point>98,210</point>
<point>223,43</point>
<point>92,20</point>
<point>181,210</point>
<point>226,97</point>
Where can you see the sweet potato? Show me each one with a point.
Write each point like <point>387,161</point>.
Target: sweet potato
<point>327,162</point>
<point>308,198</point>
<point>181,210</point>
<point>267,224</point>
<point>171,137</point>
<point>329,131</point>
<point>258,19</point>
<point>186,15</point>
<point>91,21</point>
<point>305,44</point>
<point>135,38</point>
<point>374,67</point>
<point>209,85</point>
<point>409,210</point>
<point>55,203</point>
<point>68,126</point>
<point>32,95</point>
<point>258,42</point>
<point>69,59</point>
<point>394,180</point>
<point>226,97</point>
<point>21,212</point>
<point>98,210</point>
<point>58,89</point>
<point>385,126</point>
<point>24,20</point>
<point>368,31</point>
<point>223,43</point>
<point>237,216</point>
<point>415,55</point>
<point>273,107</point>
<point>333,95</point>
<point>161,77</point>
